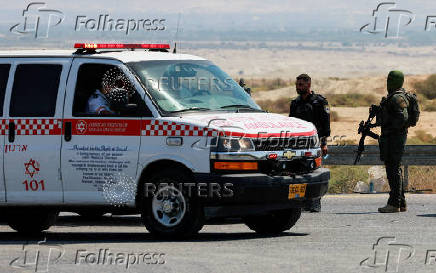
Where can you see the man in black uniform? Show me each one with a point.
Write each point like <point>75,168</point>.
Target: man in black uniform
<point>313,108</point>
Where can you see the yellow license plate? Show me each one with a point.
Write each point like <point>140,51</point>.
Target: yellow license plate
<point>297,190</point>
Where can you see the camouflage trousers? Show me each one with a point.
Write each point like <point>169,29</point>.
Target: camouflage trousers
<point>391,152</point>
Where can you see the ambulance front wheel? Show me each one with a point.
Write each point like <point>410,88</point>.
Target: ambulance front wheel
<point>31,221</point>
<point>275,222</point>
<point>170,210</point>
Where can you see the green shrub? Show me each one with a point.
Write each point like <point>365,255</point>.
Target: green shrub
<point>421,138</point>
<point>267,84</point>
<point>429,105</point>
<point>280,106</point>
<point>344,178</point>
<point>352,100</point>
<point>427,87</point>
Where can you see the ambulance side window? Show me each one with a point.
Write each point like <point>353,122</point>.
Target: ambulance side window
<point>35,90</point>
<point>90,98</point>
<point>4,75</point>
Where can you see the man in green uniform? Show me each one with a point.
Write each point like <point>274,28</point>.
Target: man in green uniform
<point>393,119</point>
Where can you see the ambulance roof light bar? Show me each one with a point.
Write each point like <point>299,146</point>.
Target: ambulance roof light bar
<point>91,47</point>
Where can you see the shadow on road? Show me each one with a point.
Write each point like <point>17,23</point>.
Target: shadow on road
<point>121,237</point>
<point>128,237</point>
<point>77,221</point>
<point>426,215</point>
<point>356,213</point>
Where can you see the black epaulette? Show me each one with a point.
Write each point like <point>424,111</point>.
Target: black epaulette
<point>321,98</point>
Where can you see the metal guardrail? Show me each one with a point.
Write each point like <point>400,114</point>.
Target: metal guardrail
<point>414,155</point>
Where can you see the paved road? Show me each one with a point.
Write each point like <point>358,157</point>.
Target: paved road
<point>336,240</point>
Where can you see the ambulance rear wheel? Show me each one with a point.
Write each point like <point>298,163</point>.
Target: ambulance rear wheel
<point>275,222</point>
<point>171,211</point>
<point>31,221</point>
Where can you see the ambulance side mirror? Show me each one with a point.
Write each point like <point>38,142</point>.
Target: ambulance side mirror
<point>130,108</point>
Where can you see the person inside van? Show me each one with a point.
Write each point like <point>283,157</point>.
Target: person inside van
<point>112,96</point>
<point>99,104</point>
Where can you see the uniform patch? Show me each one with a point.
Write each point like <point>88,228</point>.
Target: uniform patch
<point>327,109</point>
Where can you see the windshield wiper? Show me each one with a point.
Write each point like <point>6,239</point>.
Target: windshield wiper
<point>237,105</point>
<point>191,109</point>
<point>241,106</point>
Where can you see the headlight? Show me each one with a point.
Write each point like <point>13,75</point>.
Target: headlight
<point>315,141</point>
<point>226,144</point>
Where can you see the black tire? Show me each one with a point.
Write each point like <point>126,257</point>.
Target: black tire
<point>91,214</point>
<point>313,206</point>
<point>32,221</point>
<point>186,225</point>
<point>273,223</point>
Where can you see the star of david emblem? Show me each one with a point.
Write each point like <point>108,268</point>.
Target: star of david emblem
<point>32,167</point>
<point>81,126</point>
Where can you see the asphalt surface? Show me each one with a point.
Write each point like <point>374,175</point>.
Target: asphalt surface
<point>339,239</point>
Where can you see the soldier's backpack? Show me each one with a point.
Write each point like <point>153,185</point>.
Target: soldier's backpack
<point>413,108</point>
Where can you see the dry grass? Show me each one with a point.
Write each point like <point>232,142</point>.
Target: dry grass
<point>427,87</point>
<point>280,106</point>
<point>421,138</point>
<point>427,105</point>
<point>344,178</point>
<point>422,178</point>
<point>351,100</point>
<point>334,116</point>
<point>267,84</point>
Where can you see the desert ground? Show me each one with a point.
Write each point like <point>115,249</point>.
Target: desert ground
<point>349,117</point>
<point>334,70</point>
<point>286,60</point>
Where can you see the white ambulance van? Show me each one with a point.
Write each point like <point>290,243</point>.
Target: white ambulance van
<point>184,146</point>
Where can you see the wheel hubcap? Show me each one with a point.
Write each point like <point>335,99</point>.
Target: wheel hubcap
<point>169,206</point>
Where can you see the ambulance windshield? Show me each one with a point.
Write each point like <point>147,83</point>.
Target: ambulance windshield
<point>181,85</point>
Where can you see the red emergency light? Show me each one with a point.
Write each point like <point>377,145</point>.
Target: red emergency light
<point>120,46</point>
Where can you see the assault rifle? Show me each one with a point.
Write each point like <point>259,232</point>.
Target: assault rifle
<point>365,130</point>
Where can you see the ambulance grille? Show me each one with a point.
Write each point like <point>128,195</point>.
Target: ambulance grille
<point>280,144</point>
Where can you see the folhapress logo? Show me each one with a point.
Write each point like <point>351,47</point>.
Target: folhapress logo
<point>388,255</point>
<point>38,257</point>
<point>388,20</point>
<point>38,20</point>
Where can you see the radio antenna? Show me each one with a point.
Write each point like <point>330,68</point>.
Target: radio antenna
<point>177,32</point>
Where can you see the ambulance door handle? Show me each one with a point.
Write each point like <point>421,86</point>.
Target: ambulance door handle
<point>11,132</point>
<point>68,131</point>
